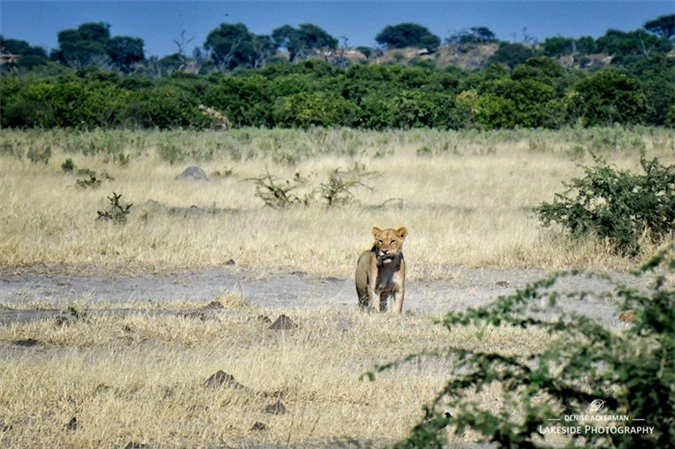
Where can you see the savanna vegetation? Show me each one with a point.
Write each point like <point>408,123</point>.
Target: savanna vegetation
<point>97,80</point>
<point>96,378</point>
<point>539,158</point>
<point>280,192</point>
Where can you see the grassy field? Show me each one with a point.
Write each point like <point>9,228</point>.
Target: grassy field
<point>465,197</point>
<point>137,380</point>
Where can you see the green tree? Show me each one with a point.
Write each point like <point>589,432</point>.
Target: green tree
<point>125,51</point>
<point>407,35</point>
<point>304,40</point>
<point>586,45</point>
<point>91,44</point>
<point>657,77</point>
<point>511,54</point>
<point>230,45</point>
<point>558,46</point>
<point>233,45</point>
<point>83,46</point>
<point>20,47</point>
<point>608,97</point>
<point>472,36</point>
<point>529,103</point>
<point>626,47</point>
<point>29,56</point>
<point>663,27</point>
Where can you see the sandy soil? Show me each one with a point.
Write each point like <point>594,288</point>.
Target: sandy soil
<point>38,292</point>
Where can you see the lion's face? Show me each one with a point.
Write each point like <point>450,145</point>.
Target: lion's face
<point>389,242</point>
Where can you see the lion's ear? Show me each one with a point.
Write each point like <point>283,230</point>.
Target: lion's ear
<point>402,232</point>
<point>375,231</point>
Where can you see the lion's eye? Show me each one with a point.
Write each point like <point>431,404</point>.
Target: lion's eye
<point>380,242</point>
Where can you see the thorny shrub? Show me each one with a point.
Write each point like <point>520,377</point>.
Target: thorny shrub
<point>629,371</point>
<point>117,212</point>
<point>616,205</point>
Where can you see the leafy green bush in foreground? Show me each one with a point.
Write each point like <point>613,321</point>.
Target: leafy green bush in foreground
<point>587,370</point>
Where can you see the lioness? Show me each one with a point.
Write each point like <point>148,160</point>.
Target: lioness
<point>380,272</point>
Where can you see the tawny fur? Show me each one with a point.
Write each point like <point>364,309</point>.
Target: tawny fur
<point>380,272</point>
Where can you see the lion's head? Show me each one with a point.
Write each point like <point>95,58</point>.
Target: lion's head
<point>388,242</point>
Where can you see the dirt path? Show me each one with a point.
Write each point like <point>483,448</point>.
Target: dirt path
<point>27,289</point>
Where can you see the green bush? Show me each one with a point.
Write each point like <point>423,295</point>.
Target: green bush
<point>313,109</point>
<point>616,205</point>
<point>538,92</point>
<point>587,369</point>
<point>68,166</point>
<point>609,97</point>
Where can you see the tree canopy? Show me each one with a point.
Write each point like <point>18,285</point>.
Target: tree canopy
<point>663,26</point>
<point>302,41</point>
<point>91,44</point>
<point>407,35</point>
<point>233,45</point>
<point>96,79</point>
<point>472,36</point>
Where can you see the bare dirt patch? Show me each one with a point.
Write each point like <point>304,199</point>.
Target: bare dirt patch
<point>36,291</point>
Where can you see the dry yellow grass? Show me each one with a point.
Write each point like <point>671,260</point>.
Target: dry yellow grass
<point>136,379</point>
<point>467,204</point>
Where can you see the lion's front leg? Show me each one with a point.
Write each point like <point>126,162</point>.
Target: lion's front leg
<point>398,300</point>
<point>374,300</point>
<point>373,290</point>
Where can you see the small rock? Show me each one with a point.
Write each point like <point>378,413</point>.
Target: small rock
<point>283,323</point>
<point>193,173</point>
<point>502,283</point>
<point>627,317</point>
<point>72,424</point>
<point>264,318</point>
<point>217,379</point>
<point>220,378</point>
<point>101,388</point>
<point>278,408</point>
<point>230,262</point>
<point>214,305</point>
<point>136,445</point>
<point>195,315</point>
<point>258,426</point>
<point>26,342</point>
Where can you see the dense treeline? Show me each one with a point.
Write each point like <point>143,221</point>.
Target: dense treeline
<point>519,86</point>
<point>536,93</point>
